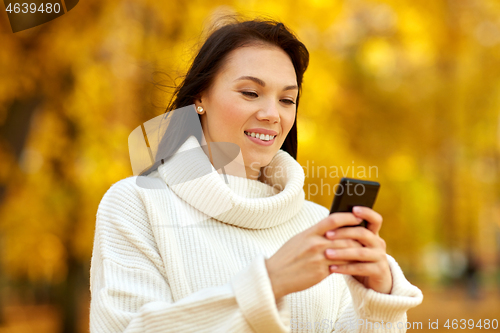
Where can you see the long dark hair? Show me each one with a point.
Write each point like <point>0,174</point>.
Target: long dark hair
<point>207,64</point>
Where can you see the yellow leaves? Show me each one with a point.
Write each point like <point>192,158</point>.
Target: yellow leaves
<point>36,256</point>
<point>52,254</point>
<point>31,160</point>
<point>306,130</point>
<point>29,228</point>
<point>97,85</point>
<point>401,167</point>
<point>320,91</point>
<point>418,37</point>
<point>378,56</point>
<point>356,47</point>
<point>48,138</point>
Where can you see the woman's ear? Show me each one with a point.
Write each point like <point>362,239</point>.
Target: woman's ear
<point>197,98</point>
<point>203,95</point>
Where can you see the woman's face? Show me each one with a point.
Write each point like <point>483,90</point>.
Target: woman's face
<point>255,91</point>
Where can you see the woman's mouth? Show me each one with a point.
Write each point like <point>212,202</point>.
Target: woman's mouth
<point>262,139</point>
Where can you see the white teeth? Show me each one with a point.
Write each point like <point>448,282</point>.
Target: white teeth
<point>263,137</point>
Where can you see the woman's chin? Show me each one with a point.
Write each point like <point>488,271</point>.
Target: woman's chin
<point>258,160</point>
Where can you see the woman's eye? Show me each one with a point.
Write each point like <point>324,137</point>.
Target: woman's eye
<point>254,94</point>
<point>249,93</point>
<point>288,101</point>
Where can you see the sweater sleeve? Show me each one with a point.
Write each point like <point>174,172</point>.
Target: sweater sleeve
<point>368,311</point>
<point>130,291</point>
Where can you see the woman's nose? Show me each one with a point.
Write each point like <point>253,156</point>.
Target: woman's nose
<point>270,112</point>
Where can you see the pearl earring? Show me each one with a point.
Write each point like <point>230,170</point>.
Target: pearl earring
<point>199,109</point>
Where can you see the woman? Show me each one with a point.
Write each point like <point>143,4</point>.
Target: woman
<point>239,250</point>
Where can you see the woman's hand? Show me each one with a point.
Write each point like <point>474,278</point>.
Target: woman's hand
<point>367,264</point>
<point>301,262</point>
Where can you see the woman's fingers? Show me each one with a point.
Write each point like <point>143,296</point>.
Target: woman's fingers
<point>373,274</point>
<point>343,243</point>
<point>360,234</point>
<point>338,262</point>
<point>357,269</point>
<point>343,219</point>
<point>374,219</point>
<point>335,221</point>
<point>360,254</point>
<point>302,262</point>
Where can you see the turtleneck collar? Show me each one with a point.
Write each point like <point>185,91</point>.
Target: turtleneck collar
<point>241,202</point>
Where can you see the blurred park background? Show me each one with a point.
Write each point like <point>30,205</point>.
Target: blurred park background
<point>409,88</point>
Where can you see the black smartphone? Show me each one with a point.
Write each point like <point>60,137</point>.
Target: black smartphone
<point>354,192</point>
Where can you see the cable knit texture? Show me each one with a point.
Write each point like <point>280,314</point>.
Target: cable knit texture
<point>188,254</point>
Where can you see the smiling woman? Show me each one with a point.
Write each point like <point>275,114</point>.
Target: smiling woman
<point>262,104</point>
<point>244,252</point>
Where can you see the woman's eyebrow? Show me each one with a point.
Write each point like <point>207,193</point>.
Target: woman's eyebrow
<point>262,83</point>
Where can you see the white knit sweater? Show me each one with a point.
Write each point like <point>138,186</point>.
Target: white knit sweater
<point>171,259</point>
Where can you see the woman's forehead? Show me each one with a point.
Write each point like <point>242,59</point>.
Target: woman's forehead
<point>268,63</point>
